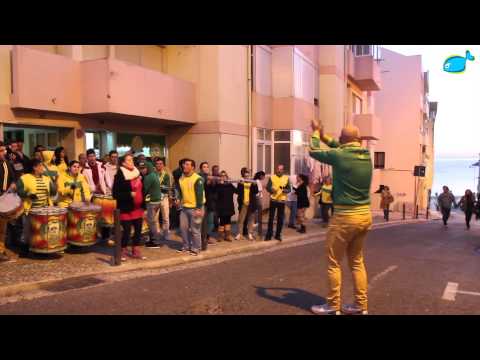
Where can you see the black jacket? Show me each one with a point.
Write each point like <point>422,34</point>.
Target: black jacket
<point>10,176</point>
<point>225,206</point>
<point>302,197</point>
<point>122,192</point>
<point>252,205</point>
<point>210,193</point>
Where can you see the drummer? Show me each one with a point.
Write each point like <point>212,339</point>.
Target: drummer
<point>36,190</point>
<point>72,186</point>
<point>49,167</point>
<point>7,182</point>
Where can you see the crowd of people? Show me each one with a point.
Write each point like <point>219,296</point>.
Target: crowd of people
<point>197,202</point>
<point>469,204</point>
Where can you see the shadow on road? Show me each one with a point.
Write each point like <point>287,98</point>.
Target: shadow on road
<point>294,297</point>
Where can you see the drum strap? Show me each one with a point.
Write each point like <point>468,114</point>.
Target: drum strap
<point>5,176</point>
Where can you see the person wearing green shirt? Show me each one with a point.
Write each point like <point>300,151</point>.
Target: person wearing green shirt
<point>156,185</point>
<point>352,176</point>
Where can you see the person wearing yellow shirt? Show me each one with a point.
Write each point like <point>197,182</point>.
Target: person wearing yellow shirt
<point>61,160</point>
<point>192,198</point>
<point>72,186</point>
<point>326,201</point>
<point>278,186</point>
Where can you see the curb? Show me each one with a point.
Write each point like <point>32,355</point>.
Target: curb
<point>17,289</point>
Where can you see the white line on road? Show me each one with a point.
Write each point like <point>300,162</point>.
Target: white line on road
<point>450,291</point>
<point>382,274</point>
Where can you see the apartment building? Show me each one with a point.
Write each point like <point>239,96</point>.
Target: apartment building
<point>231,105</point>
<point>407,136</point>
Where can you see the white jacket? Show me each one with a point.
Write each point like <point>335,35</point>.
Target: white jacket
<point>87,172</point>
<point>110,172</point>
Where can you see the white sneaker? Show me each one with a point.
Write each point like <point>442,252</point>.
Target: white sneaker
<point>250,237</point>
<point>324,310</point>
<point>353,310</point>
<point>238,237</point>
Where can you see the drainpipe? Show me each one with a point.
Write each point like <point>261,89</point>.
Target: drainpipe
<point>249,103</point>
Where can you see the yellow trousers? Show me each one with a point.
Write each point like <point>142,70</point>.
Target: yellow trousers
<point>346,235</point>
<point>3,235</point>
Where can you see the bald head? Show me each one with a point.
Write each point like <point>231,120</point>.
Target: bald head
<point>350,133</point>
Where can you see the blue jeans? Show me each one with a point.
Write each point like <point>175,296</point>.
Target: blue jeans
<point>191,230</point>
<point>292,205</point>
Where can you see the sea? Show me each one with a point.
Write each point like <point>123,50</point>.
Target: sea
<point>457,174</point>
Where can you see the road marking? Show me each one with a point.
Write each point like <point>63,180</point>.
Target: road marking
<point>382,275</point>
<point>450,291</point>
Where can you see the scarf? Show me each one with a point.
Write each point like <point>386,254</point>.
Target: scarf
<point>5,176</point>
<point>95,176</point>
<point>130,174</point>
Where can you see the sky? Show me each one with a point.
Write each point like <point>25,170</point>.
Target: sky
<point>457,125</point>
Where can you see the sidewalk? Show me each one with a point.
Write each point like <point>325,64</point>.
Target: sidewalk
<point>39,271</point>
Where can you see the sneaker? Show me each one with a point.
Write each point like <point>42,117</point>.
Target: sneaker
<point>182,250</point>
<point>136,254</point>
<point>194,252</point>
<point>152,245</point>
<point>324,309</point>
<point>239,237</point>
<point>353,310</point>
<point>124,254</point>
<point>251,237</point>
<point>268,237</point>
<point>278,237</point>
<point>211,242</point>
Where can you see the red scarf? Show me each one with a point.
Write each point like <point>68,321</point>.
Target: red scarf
<point>95,175</point>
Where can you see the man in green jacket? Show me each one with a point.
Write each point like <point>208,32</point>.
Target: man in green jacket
<point>352,219</point>
<point>156,185</point>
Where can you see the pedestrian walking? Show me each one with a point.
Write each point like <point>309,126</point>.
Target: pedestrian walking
<point>348,228</point>
<point>302,201</point>
<point>467,205</point>
<point>225,207</point>
<point>247,204</point>
<point>387,199</point>
<point>259,178</point>
<point>445,201</point>
<point>192,200</point>
<point>128,191</point>
<point>278,186</point>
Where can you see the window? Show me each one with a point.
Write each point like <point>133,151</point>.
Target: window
<point>357,104</point>
<point>304,78</point>
<point>379,160</point>
<point>367,50</point>
<point>264,150</point>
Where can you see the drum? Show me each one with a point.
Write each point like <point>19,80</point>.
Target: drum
<point>108,205</point>
<point>82,224</point>
<point>48,229</point>
<point>11,206</point>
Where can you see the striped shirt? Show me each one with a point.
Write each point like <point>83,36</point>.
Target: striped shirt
<point>42,193</point>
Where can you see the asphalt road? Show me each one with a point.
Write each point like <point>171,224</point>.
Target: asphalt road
<point>409,267</point>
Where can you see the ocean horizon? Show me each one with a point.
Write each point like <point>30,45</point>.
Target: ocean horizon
<point>456,173</point>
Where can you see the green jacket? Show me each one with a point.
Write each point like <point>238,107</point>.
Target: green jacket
<point>352,171</point>
<point>151,184</point>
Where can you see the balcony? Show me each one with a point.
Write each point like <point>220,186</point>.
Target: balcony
<point>50,82</point>
<point>369,125</point>
<point>367,73</point>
